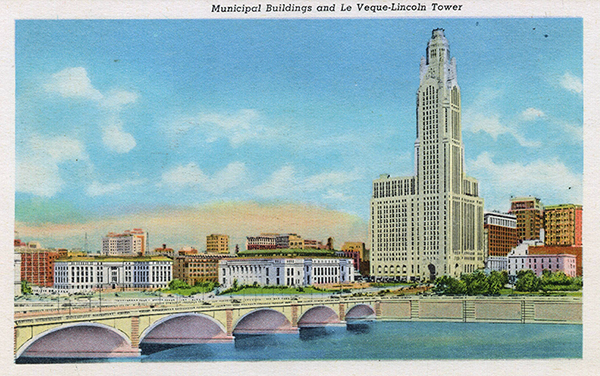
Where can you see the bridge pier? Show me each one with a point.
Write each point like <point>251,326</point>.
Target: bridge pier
<point>229,321</point>
<point>135,332</point>
<point>342,312</point>
<point>295,315</point>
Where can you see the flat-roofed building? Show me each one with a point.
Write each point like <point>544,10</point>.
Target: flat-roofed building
<point>76,274</point>
<point>538,263</point>
<point>497,263</point>
<point>217,243</point>
<point>530,217</point>
<point>261,242</point>
<point>197,268</point>
<point>501,233</point>
<point>557,250</point>
<point>129,243</point>
<point>285,271</point>
<point>563,224</point>
<point>37,264</point>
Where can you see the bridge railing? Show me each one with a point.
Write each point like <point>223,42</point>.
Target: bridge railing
<point>252,303</point>
<point>217,305</point>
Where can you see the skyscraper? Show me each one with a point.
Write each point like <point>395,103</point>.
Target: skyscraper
<point>430,224</point>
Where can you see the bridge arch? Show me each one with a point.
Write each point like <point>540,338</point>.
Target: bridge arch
<point>360,311</point>
<point>263,321</point>
<point>185,328</point>
<point>80,340</point>
<point>318,316</point>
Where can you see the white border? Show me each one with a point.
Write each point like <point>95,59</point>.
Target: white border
<point>11,10</point>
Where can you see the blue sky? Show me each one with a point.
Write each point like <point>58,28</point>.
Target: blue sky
<point>134,119</point>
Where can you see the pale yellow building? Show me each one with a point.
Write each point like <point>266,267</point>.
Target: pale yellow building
<point>217,244</point>
<point>355,246</point>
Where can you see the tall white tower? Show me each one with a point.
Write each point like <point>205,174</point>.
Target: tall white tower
<point>430,224</point>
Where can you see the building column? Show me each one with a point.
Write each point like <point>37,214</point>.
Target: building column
<point>229,320</point>
<point>135,331</point>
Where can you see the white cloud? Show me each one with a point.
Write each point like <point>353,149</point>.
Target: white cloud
<point>572,83</point>
<point>551,180</point>
<point>480,117</point>
<point>284,182</point>
<point>336,195</point>
<point>531,114</point>
<point>116,139</point>
<point>181,176</point>
<point>73,83</point>
<point>38,169</point>
<point>99,189</point>
<point>238,128</point>
<point>116,100</point>
<point>191,176</point>
<point>281,183</point>
<point>233,175</point>
<point>477,122</point>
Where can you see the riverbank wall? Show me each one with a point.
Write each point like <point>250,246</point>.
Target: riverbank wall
<point>517,309</point>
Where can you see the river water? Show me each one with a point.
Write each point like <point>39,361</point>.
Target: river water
<point>401,340</point>
<point>392,340</point>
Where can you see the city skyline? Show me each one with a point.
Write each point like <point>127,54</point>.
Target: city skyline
<point>207,125</point>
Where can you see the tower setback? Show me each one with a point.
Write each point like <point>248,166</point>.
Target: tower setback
<point>430,224</point>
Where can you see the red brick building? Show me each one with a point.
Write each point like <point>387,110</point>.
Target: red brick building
<point>37,266</point>
<point>501,233</point>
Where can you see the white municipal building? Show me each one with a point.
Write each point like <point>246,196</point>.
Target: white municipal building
<point>285,271</point>
<point>430,224</point>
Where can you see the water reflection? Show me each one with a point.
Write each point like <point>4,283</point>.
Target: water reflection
<point>359,327</point>
<point>257,341</point>
<point>309,334</point>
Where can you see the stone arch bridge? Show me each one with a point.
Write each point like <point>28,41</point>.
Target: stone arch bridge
<point>119,333</point>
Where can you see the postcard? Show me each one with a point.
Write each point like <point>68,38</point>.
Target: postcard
<point>302,187</point>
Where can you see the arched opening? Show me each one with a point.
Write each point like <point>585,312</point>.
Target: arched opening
<point>263,321</point>
<point>432,273</point>
<point>318,316</point>
<point>185,328</point>
<point>360,312</point>
<point>87,340</point>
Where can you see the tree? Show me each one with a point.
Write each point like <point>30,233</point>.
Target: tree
<point>446,285</point>
<point>178,284</point>
<point>25,288</point>
<point>496,281</point>
<point>476,283</point>
<point>527,281</point>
